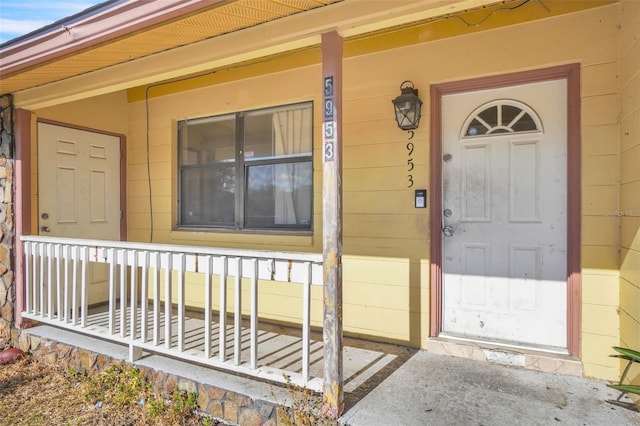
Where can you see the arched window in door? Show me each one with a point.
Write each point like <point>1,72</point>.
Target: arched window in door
<point>502,116</point>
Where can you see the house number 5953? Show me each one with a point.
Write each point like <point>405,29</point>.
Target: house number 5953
<point>410,164</point>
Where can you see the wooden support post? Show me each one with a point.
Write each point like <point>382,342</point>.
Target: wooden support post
<point>332,222</point>
<point>22,210</point>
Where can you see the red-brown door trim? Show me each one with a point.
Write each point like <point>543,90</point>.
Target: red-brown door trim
<point>571,73</point>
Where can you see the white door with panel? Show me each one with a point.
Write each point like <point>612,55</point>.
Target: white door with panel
<point>504,215</point>
<point>79,190</point>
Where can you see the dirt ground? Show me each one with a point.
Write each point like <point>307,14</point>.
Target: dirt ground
<point>33,392</point>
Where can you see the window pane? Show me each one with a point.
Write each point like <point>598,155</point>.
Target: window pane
<point>525,124</point>
<point>279,195</point>
<point>208,140</point>
<point>490,116</point>
<point>476,128</point>
<point>208,196</point>
<point>278,132</point>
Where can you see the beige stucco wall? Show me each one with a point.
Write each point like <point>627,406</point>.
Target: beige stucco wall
<point>630,178</point>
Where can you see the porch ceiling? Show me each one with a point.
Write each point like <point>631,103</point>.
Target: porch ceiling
<point>129,43</point>
<point>212,20</point>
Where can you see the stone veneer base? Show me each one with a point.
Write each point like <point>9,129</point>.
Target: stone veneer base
<point>256,406</point>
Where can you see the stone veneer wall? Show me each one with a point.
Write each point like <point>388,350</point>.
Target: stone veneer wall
<point>7,292</point>
<point>219,403</point>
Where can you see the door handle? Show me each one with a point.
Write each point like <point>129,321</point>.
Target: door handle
<point>447,231</point>
<point>45,229</point>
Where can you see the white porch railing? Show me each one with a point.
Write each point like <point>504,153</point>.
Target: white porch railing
<point>139,311</point>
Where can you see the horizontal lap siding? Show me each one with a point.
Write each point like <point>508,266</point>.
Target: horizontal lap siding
<point>630,179</point>
<point>379,218</point>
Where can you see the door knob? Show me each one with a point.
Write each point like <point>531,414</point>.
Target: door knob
<point>447,231</point>
<point>45,229</point>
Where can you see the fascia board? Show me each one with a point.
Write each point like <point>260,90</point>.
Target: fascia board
<point>118,21</point>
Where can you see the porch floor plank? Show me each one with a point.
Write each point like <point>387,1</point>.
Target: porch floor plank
<point>279,347</point>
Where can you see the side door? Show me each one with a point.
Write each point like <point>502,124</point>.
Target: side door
<point>79,190</point>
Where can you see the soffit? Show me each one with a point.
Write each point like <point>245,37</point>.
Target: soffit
<point>221,18</point>
<point>238,31</point>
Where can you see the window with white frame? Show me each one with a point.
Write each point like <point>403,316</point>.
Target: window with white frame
<point>247,170</point>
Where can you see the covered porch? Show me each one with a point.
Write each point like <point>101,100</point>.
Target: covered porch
<point>204,305</point>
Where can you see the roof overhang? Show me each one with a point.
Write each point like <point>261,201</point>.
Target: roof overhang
<point>244,38</point>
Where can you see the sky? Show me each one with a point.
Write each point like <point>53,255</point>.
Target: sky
<point>19,17</point>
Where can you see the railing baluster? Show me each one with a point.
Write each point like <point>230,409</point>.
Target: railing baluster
<point>254,313</point>
<point>49,254</point>
<point>144,297</point>
<point>36,277</point>
<point>156,300</point>
<point>28,281</point>
<point>306,322</point>
<point>122,263</point>
<point>112,290</point>
<point>67,293</point>
<point>222,345</point>
<point>167,301</point>
<point>84,290</point>
<point>58,281</point>
<point>41,291</point>
<point>207,306</point>
<point>237,318</point>
<point>133,306</point>
<point>74,297</point>
<point>181,268</point>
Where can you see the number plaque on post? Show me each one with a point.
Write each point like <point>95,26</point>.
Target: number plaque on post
<point>329,125</point>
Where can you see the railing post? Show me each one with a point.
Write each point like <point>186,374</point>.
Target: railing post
<point>28,281</point>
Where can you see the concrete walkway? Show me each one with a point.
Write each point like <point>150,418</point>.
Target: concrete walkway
<point>390,385</point>
<point>433,389</point>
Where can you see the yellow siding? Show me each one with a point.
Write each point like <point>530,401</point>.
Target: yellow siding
<point>386,240</point>
<point>383,232</point>
<point>630,178</point>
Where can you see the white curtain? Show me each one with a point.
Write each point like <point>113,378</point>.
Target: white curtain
<point>292,135</point>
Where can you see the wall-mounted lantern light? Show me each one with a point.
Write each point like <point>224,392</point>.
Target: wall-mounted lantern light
<point>407,106</point>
